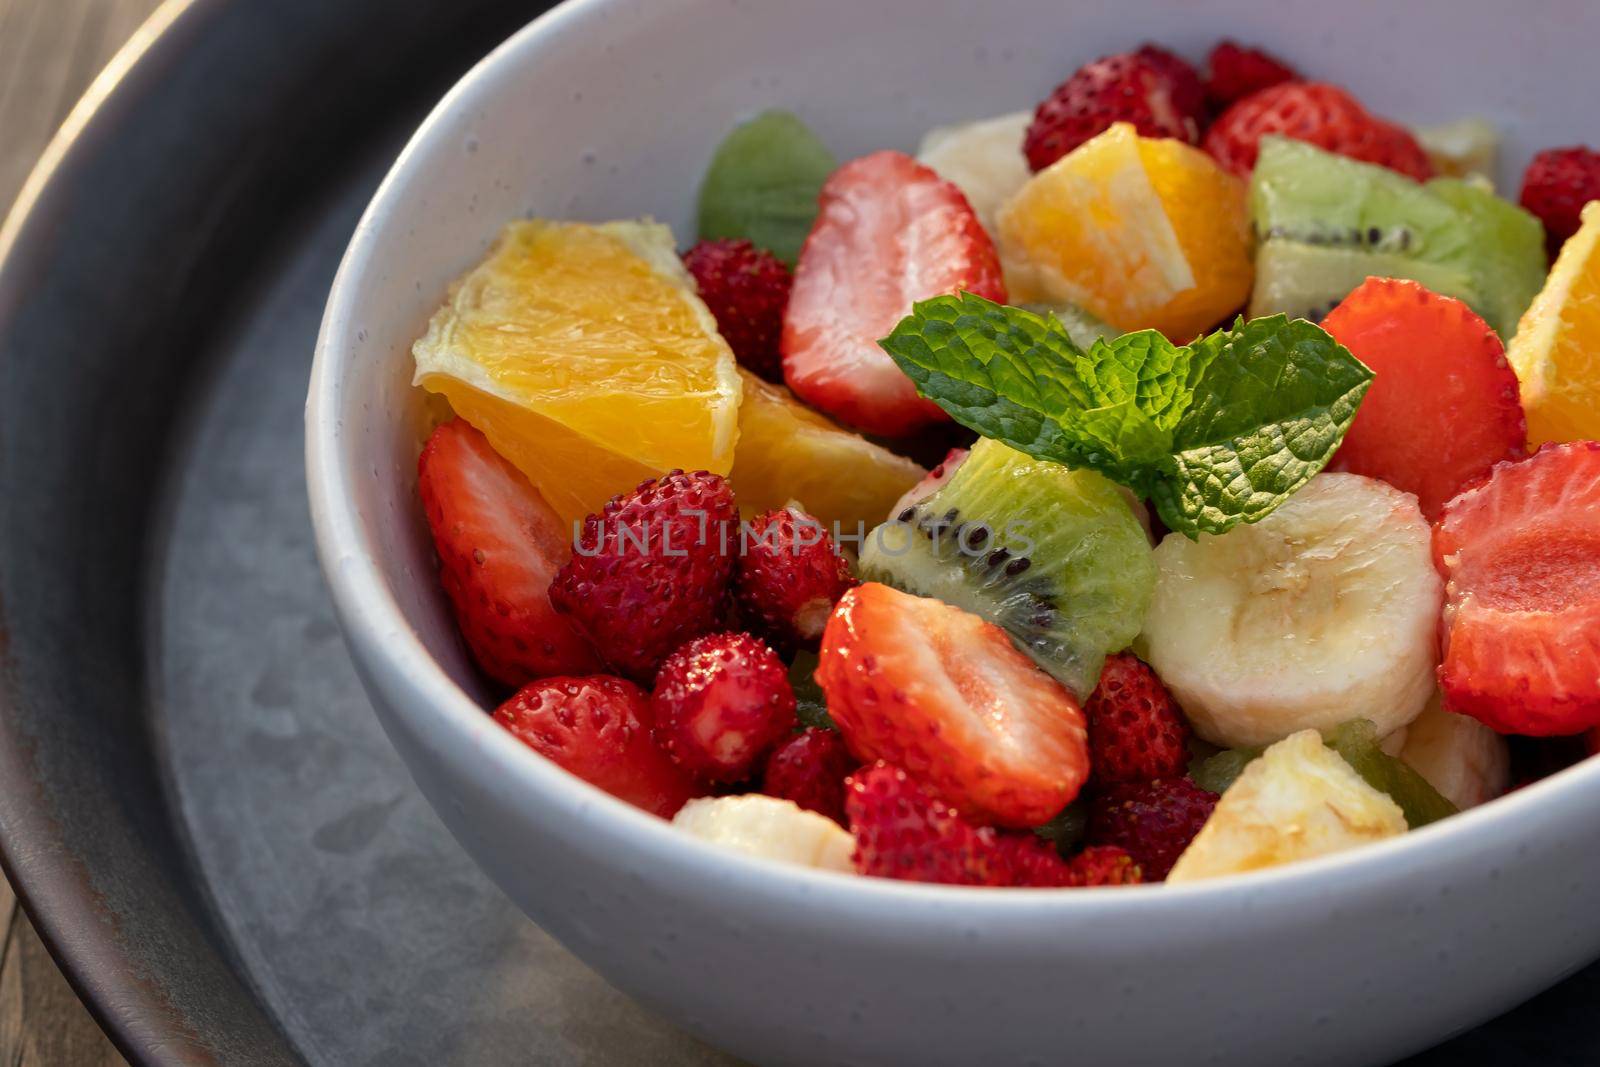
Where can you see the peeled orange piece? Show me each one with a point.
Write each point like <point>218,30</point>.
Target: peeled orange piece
<point>583,354</point>
<point>789,452</point>
<point>1556,349</point>
<point>1141,232</point>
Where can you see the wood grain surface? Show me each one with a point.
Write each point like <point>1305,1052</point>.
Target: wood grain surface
<point>49,52</point>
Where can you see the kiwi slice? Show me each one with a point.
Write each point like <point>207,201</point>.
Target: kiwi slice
<point>1450,235</point>
<point>1053,556</point>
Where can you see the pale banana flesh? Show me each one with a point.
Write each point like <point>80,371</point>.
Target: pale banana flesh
<point>1466,761</point>
<point>773,829</point>
<point>984,159</point>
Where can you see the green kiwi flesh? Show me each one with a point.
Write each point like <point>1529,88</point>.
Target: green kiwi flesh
<point>1053,556</point>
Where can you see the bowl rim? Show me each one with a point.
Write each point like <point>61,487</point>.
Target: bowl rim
<point>392,654</point>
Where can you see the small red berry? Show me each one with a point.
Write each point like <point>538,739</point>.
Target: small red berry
<point>1317,113</point>
<point>1154,90</point>
<point>1234,71</point>
<point>1555,187</point>
<point>1136,732</point>
<point>721,702</point>
<point>790,576</point>
<point>1153,821</point>
<point>810,769</point>
<point>746,289</point>
<point>1103,865</point>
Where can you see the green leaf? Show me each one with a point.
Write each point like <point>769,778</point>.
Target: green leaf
<point>810,704</point>
<point>763,182</point>
<point>1068,828</point>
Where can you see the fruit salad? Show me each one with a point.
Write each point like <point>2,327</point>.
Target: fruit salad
<point>1192,473</point>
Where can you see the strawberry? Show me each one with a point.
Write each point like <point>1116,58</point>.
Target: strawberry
<point>1153,821</point>
<point>652,569</point>
<point>1136,732</point>
<point>945,695</point>
<point>790,575</point>
<point>903,831</point>
<point>1156,91</point>
<point>746,289</point>
<point>1103,865</point>
<point>1556,185</point>
<point>931,483</point>
<point>1520,553</point>
<point>1321,114</point>
<point>599,729</point>
<point>721,702</point>
<point>499,545</point>
<point>1444,406</point>
<point>810,769</point>
<point>1234,71</point>
<point>1591,741</point>
<point>889,232</point>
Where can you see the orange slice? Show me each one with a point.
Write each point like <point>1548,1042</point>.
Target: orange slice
<point>1556,349</point>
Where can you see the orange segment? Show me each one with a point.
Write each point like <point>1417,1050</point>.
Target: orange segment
<point>1556,349</point>
<point>789,452</point>
<point>1141,232</point>
<point>584,355</point>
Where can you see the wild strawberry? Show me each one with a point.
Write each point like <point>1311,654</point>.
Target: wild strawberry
<point>721,702</point>
<point>1520,553</point>
<point>947,696</point>
<point>889,232</point>
<point>599,729</point>
<point>1154,90</point>
<point>1444,407</point>
<point>746,289</point>
<point>790,576</point>
<point>651,571</point>
<point>810,769</point>
<point>1234,71</point>
<point>1103,865</point>
<point>1320,114</point>
<point>1153,821</point>
<point>1136,732</point>
<point>1555,187</point>
<point>499,545</point>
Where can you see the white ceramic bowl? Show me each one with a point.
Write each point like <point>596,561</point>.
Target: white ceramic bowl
<point>610,108</point>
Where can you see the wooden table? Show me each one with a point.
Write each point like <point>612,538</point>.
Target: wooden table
<point>49,52</point>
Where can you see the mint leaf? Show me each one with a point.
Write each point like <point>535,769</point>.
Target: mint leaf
<point>1271,402</point>
<point>763,182</point>
<point>1216,433</point>
<point>811,704</point>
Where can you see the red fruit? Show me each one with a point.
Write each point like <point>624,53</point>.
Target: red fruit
<point>651,571</point>
<point>1136,732</point>
<point>945,695</point>
<point>599,729</point>
<point>1321,114</point>
<point>1234,71</point>
<point>790,575</point>
<point>1592,742</point>
<point>1520,553</point>
<point>1153,821</point>
<point>810,769</point>
<point>1444,407</point>
<point>1555,187</point>
<point>746,289</point>
<point>721,702</point>
<point>1103,865</point>
<point>1156,91</point>
<point>903,831</point>
<point>499,545</point>
<point>931,483</point>
<point>889,232</point>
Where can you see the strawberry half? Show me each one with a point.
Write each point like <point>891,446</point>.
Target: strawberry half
<point>1153,89</point>
<point>499,546</point>
<point>945,695</point>
<point>1520,553</point>
<point>1320,114</point>
<point>889,232</point>
<point>599,729</point>
<point>1444,406</point>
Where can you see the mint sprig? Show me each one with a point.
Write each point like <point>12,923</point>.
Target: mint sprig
<point>1215,433</point>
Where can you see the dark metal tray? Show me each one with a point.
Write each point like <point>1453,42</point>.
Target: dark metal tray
<point>201,814</point>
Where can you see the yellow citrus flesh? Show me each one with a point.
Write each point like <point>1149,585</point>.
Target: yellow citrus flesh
<point>1556,349</point>
<point>1141,232</point>
<point>789,452</point>
<point>584,355</point>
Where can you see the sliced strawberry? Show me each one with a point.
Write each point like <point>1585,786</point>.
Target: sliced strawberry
<point>499,547</point>
<point>945,695</point>
<point>599,729</point>
<point>1321,114</point>
<point>889,232</point>
<point>1234,71</point>
<point>1444,406</point>
<point>1153,89</point>
<point>1520,553</point>
<point>1556,185</point>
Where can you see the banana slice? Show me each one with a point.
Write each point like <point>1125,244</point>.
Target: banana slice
<point>983,158</point>
<point>1462,758</point>
<point>768,827</point>
<point>1299,800</point>
<point>1324,611</point>
<point>1461,149</point>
